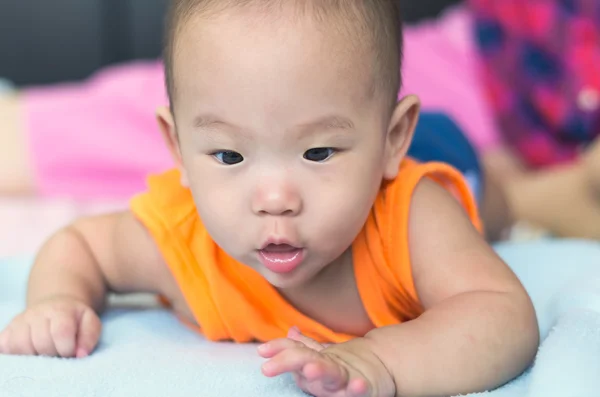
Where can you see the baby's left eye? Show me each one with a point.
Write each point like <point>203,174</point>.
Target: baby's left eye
<point>319,154</point>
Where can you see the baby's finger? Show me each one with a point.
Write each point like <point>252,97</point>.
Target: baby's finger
<point>41,338</point>
<point>358,388</point>
<point>63,329</point>
<point>274,347</point>
<point>290,360</point>
<point>332,376</point>
<point>19,341</point>
<point>4,335</point>
<point>295,334</point>
<point>90,329</point>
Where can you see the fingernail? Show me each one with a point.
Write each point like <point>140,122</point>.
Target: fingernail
<point>267,368</point>
<point>263,347</point>
<point>295,331</point>
<point>81,353</point>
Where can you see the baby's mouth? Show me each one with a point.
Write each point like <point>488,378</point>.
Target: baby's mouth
<point>281,258</point>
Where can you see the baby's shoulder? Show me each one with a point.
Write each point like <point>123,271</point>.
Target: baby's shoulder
<point>422,185</point>
<point>167,209</point>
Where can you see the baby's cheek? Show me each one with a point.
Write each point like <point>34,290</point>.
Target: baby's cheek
<point>219,218</point>
<point>217,200</point>
<point>342,219</point>
<point>227,224</point>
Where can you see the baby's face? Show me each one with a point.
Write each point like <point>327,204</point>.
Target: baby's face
<point>281,138</point>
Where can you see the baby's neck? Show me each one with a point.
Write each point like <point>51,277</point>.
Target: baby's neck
<point>324,282</point>
<point>332,298</point>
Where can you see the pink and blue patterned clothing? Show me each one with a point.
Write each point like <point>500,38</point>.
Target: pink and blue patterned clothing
<point>541,71</point>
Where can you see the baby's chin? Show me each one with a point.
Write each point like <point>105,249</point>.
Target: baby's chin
<point>296,279</point>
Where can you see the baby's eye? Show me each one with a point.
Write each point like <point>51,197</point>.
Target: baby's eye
<point>319,154</point>
<point>228,157</point>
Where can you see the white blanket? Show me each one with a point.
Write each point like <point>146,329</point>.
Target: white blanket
<point>149,353</point>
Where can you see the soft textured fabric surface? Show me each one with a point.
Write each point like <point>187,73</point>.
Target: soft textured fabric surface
<point>149,353</point>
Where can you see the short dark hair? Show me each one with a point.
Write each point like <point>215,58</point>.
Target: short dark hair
<point>377,21</point>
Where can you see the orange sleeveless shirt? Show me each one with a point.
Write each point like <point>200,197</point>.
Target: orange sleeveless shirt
<point>231,301</point>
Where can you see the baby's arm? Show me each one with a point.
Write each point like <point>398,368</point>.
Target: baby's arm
<point>479,328</point>
<point>70,279</point>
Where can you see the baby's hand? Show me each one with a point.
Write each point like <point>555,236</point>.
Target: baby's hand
<point>336,371</point>
<point>62,327</point>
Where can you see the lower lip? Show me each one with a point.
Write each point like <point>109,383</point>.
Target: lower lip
<point>281,262</point>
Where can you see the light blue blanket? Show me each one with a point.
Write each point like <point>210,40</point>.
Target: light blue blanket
<point>149,353</point>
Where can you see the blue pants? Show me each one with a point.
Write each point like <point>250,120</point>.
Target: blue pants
<point>438,138</point>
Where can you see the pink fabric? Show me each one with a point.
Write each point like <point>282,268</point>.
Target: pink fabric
<point>99,138</point>
<point>440,66</point>
<point>28,222</point>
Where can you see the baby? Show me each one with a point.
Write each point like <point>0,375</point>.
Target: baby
<point>294,217</point>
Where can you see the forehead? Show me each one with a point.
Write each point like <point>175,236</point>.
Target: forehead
<point>277,50</point>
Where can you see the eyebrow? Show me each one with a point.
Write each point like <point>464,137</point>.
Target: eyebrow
<point>207,121</point>
<point>330,122</point>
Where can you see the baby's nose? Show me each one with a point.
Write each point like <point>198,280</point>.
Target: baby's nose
<point>277,199</point>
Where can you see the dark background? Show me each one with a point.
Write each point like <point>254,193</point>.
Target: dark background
<point>45,41</point>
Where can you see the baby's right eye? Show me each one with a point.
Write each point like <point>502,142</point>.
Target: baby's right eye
<point>228,157</point>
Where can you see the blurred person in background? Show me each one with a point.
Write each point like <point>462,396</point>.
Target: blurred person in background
<point>540,68</point>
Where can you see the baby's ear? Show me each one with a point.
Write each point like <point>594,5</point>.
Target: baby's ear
<point>166,122</point>
<point>400,133</point>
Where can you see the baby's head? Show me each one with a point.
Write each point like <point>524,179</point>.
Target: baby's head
<point>284,121</point>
